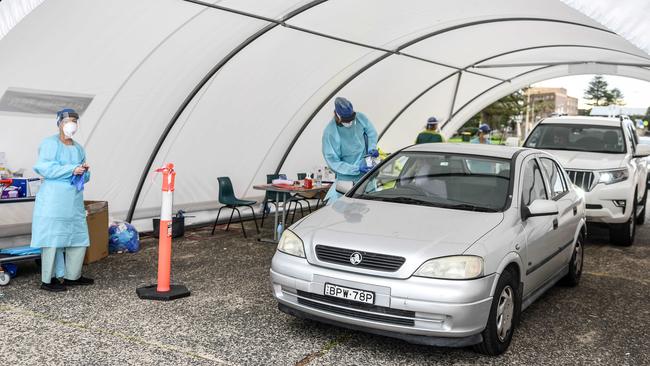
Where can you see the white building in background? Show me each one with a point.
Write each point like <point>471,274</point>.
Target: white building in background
<point>616,110</point>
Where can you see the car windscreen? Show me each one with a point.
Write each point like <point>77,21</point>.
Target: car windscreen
<point>448,180</point>
<point>577,137</point>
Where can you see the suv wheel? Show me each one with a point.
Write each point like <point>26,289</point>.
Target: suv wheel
<point>575,266</point>
<point>504,313</point>
<point>640,219</point>
<point>623,234</point>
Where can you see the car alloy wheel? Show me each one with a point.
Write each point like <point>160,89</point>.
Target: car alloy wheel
<point>505,312</point>
<point>577,258</point>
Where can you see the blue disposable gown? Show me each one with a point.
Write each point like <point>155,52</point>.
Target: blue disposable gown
<point>59,215</point>
<point>343,149</point>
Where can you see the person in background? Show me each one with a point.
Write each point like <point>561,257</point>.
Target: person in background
<point>59,224</point>
<point>482,135</point>
<point>348,139</point>
<point>430,133</point>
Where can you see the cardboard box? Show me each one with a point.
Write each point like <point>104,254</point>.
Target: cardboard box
<point>33,185</point>
<point>97,219</point>
<point>21,188</point>
<point>17,189</point>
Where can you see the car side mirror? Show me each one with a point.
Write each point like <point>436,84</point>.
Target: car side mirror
<point>642,151</point>
<point>539,208</point>
<point>512,141</point>
<point>343,186</point>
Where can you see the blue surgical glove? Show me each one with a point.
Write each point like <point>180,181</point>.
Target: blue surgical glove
<point>78,182</point>
<point>374,153</point>
<point>363,168</point>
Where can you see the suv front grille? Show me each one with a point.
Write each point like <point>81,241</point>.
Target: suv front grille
<point>357,310</point>
<point>375,261</point>
<point>582,179</point>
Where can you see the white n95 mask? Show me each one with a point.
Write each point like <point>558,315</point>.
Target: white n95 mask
<point>69,129</point>
<point>347,124</point>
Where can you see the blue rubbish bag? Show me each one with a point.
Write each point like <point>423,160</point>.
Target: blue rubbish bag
<point>123,238</point>
<point>10,268</point>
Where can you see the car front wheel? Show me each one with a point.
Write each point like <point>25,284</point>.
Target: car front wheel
<point>503,315</point>
<point>640,219</point>
<point>623,234</point>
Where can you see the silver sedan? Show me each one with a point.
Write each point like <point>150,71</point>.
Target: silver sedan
<point>441,244</point>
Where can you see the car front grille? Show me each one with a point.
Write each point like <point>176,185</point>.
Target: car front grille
<point>375,261</point>
<point>356,310</point>
<point>582,179</point>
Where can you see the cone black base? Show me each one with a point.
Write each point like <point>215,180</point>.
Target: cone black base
<point>150,293</point>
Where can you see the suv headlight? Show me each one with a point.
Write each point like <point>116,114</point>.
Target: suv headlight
<point>291,244</point>
<point>613,176</point>
<point>460,267</point>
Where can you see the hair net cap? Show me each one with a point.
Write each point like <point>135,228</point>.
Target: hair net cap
<point>343,108</point>
<point>484,128</point>
<point>66,113</point>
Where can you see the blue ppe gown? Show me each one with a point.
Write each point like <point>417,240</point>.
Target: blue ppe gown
<point>343,149</point>
<point>59,215</point>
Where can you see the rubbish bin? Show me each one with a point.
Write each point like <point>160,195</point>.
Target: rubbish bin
<point>178,226</point>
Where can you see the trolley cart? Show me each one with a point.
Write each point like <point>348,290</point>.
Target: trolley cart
<point>5,278</point>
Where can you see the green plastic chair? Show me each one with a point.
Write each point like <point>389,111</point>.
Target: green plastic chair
<point>228,200</point>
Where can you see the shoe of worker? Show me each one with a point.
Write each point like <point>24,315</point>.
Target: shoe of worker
<point>81,281</point>
<point>54,286</point>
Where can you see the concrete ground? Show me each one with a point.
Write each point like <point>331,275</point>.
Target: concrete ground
<point>231,317</point>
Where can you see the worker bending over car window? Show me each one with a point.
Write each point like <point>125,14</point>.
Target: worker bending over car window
<point>349,145</point>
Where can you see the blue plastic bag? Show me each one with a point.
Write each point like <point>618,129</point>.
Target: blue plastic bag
<point>123,237</point>
<point>11,269</point>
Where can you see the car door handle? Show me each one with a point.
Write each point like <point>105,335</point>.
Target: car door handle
<point>555,224</point>
<point>575,210</point>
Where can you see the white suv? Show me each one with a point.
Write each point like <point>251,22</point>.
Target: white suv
<point>603,157</point>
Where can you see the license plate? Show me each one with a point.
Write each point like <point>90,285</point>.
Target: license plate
<point>349,293</point>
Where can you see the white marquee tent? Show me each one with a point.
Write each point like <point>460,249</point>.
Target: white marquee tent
<point>243,88</point>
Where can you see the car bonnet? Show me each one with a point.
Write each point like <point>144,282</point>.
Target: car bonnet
<point>416,233</point>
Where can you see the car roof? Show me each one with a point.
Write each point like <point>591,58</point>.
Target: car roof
<point>497,151</point>
<point>599,121</point>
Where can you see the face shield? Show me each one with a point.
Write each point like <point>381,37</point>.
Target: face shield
<point>67,117</point>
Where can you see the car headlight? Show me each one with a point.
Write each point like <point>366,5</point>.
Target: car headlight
<point>612,176</point>
<point>291,244</point>
<point>460,267</point>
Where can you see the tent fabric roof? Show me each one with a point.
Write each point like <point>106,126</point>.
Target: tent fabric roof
<point>12,12</point>
<point>243,88</point>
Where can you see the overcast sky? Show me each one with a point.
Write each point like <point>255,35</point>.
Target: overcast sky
<point>636,92</point>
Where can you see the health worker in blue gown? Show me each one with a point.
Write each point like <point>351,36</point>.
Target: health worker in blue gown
<point>59,224</point>
<point>348,139</point>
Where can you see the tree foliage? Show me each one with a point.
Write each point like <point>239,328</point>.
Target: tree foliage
<point>599,94</point>
<point>501,112</point>
<point>616,97</point>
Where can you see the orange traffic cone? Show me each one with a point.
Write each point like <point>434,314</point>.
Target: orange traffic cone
<point>163,290</point>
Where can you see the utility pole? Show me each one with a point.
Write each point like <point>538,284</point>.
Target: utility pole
<point>528,111</point>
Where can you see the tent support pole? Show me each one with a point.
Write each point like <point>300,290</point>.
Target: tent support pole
<point>192,94</point>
